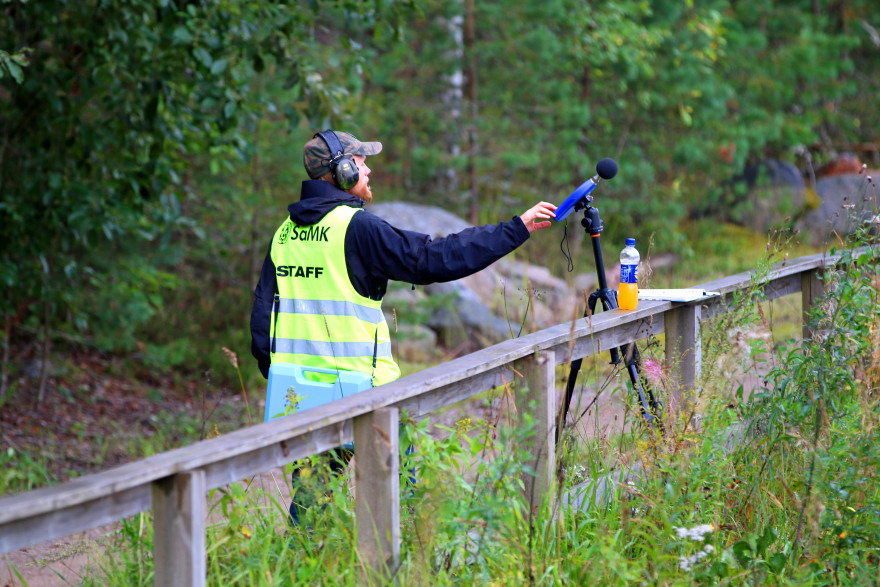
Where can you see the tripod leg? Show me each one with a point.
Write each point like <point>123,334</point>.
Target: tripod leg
<point>651,408</point>
<point>569,392</point>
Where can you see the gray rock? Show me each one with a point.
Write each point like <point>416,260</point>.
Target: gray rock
<point>458,313</point>
<point>533,289</point>
<point>847,200</point>
<point>777,195</point>
<point>425,219</point>
<point>465,318</point>
<point>32,368</point>
<point>415,343</point>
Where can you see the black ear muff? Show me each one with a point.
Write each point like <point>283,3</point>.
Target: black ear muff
<point>345,173</point>
<point>343,168</point>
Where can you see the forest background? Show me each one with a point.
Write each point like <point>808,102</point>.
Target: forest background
<point>148,148</point>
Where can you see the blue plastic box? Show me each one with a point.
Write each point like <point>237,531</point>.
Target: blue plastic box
<point>283,376</point>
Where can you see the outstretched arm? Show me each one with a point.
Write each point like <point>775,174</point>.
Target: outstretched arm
<point>534,217</point>
<point>377,252</point>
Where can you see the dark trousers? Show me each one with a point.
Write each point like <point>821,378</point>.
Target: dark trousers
<point>313,482</point>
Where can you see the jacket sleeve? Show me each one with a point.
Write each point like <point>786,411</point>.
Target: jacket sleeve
<point>264,293</point>
<point>377,249</point>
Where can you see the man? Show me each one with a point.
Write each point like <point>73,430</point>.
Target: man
<point>318,301</point>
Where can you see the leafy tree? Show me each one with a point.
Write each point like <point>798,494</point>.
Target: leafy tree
<point>145,137</point>
<point>122,100</point>
<point>559,85</point>
<point>684,94</point>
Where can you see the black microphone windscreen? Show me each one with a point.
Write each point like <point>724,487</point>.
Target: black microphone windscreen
<point>606,168</point>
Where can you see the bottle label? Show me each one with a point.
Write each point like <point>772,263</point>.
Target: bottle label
<point>629,274</point>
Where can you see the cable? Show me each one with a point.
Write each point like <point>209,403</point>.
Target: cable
<point>566,249</point>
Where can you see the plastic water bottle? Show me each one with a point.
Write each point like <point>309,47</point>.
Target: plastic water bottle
<point>628,293</point>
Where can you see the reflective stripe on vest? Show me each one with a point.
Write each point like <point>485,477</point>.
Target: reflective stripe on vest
<point>330,349</point>
<point>330,308</point>
<point>319,319</point>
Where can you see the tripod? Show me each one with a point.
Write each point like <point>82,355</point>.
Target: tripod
<point>649,406</point>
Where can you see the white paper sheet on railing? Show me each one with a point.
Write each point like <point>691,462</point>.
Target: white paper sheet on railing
<point>675,295</point>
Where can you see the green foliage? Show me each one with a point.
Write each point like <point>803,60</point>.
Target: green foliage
<point>128,560</point>
<point>21,472</point>
<point>121,101</point>
<point>144,141</point>
<point>790,502</point>
<point>12,65</point>
<point>138,160</point>
<point>467,493</point>
<point>682,94</point>
<point>825,397</point>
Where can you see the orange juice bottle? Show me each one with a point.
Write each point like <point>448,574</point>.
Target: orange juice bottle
<point>628,292</point>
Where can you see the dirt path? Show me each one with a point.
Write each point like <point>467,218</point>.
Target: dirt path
<point>58,562</point>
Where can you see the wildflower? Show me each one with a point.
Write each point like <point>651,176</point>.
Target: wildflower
<point>653,371</point>
<point>686,563</point>
<point>695,533</point>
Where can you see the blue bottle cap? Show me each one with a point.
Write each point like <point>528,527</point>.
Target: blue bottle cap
<point>630,242</point>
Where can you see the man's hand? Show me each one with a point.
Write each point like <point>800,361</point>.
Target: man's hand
<point>533,217</point>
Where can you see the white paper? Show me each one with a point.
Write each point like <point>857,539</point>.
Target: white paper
<point>675,295</point>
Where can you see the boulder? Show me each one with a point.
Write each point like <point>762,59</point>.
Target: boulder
<point>776,194</point>
<point>533,289</point>
<point>425,219</point>
<point>415,343</point>
<point>407,311</point>
<point>487,306</point>
<point>846,202</point>
<point>464,320</point>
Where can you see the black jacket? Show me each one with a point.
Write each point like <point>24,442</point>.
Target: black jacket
<point>376,252</point>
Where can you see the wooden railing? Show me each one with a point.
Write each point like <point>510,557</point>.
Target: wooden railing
<point>174,484</point>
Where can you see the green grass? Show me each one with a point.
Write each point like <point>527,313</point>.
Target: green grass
<point>793,502</point>
<point>710,250</point>
<point>20,471</point>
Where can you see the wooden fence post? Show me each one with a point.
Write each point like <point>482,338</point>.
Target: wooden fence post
<point>377,489</point>
<point>539,400</point>
<point>683,352</point>
<point>812,288</point>
<point>179,513</point>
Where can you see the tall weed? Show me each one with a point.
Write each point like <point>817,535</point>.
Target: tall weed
<point>773,487</point>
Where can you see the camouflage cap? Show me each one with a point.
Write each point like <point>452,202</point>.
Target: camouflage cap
<point>316,153</point>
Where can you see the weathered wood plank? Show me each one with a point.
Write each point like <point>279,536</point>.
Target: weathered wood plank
<point>33,529</point>
<point>778,271</point>
<point>812,288</point>
<point>771,290</point>
<point>433,399</point>
<point>537,397</point>
<point>179,515</point>
<point>258,460</point>
<point>377,490</point>
<point>783,286</point>
<point>683,353</point>
<point>605,340</point>
<point>105,509</point>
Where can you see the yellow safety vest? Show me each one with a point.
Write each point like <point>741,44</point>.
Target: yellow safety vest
<point>318,318</point>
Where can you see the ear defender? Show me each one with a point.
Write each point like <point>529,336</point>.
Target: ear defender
<point>343,168</point>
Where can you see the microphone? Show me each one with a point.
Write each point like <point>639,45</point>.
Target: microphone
<point>605,169</point>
